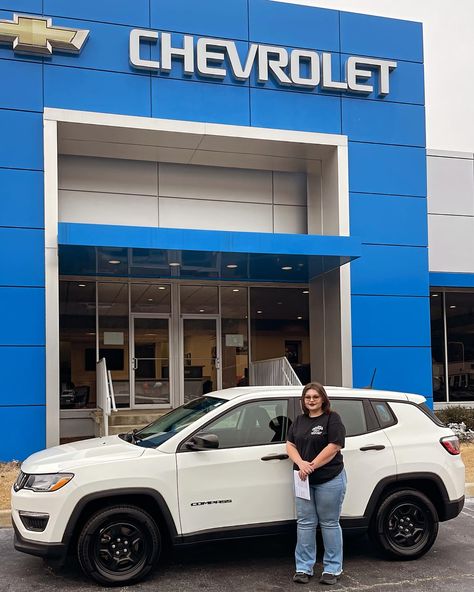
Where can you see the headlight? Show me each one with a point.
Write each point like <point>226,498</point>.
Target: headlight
<point>48,482</point>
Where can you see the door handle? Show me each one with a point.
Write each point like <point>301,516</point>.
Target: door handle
<point>134,363</point>
<point>275,457</point>
<point>372,447</point>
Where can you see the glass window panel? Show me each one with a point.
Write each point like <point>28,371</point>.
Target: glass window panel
<point>199,300</point>
<point>352,415</point>
<point>252,424</point>
<point>113,337</point>
<point>234,307</point>
<point>200,357</point>
<point>460,327</point>
<point>280,327</point>
<point>151,298</point>
<point>437,346</point>
<point>77,342</point>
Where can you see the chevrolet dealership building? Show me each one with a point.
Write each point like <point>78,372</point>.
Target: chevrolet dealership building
<point>189,189</point>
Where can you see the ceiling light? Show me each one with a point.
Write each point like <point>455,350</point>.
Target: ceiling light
<point>305,291</point>
<point>231,266</point>
<point>299,318</point>
<point>161,287</point>
<point>201,310</point>
<point>452,306</point>
<point>259,311</point>
<point>279,302</point>
<point>114,261</point>
<point>236,290</point>
<point>433,295</point>
<point>90,333</point>
<point>287,268</point>
<point>150,299</point>
<point>174,264</point>
<point>150,334</point>
<point>81,285</point>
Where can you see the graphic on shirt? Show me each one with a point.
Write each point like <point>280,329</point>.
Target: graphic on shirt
<point>317,430</point>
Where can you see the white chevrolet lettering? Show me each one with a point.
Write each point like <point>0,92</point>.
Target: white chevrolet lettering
<point>328,83</point>
<point>298,67</point>
<point>299,56</point>
<point>136,36</point>
<point>206,55</point>
<point>275,63</point>
<point>186,52</point>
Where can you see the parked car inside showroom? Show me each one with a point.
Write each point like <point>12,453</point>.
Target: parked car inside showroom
<point>216,468</point>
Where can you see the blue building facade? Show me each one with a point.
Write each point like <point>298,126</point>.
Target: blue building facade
<point>389,293</point>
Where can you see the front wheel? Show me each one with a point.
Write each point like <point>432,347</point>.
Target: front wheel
<point>405,525</point>
<point>119,545</point>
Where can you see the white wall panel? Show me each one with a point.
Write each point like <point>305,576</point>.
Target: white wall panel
<point>219,183</point>
<point>289,188</point>
<point>108,175</point>
<point>451,243</point>
<point>108,208</point>
<point>450,185</point>
<point>290,219</point>
<point>215,215</point>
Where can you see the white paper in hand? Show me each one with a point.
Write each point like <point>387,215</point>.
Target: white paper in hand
<point>301,487</point>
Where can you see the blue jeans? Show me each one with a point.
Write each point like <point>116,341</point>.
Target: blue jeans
<point>324,508</point>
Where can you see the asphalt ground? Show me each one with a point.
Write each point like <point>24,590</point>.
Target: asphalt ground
<point>266,565</point>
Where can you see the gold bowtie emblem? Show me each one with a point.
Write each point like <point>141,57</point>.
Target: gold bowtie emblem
<point>33,34</point>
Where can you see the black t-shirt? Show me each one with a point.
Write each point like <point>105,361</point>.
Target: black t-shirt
<point>311,434</point>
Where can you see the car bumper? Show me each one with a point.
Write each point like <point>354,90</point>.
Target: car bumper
<point>51,551</point>
<point>452,509</point>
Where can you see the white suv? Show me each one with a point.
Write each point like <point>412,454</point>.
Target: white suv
<point>216,468</point>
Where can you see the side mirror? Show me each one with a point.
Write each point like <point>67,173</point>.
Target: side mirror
<point>203,442</point>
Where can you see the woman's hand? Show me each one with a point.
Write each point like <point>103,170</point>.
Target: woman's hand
<point>305,469</point>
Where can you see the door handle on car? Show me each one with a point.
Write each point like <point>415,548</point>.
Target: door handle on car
<point>373,447</point>
<point>275,457</point>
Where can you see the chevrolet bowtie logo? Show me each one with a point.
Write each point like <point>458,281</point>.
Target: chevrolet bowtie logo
<point>33,34</point>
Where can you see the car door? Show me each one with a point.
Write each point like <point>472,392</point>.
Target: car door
<point>247,480</point>
<point>368,454</point>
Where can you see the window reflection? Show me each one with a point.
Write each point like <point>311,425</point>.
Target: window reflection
<point>437,346</point>
<point>77,330</point>
<point>460,327</point>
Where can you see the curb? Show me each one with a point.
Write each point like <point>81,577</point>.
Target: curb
<point>5,519</point>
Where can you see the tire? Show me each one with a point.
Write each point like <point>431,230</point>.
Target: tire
<point>119,545</point>
<point>405,525</point>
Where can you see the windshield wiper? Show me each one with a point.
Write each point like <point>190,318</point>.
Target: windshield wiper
<point>131,436</point>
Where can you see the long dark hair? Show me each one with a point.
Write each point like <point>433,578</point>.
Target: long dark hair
<point>326,407</point>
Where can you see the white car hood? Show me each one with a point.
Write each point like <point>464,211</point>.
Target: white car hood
<point>79,454</point>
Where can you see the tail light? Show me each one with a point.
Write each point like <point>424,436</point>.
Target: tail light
<point>451,443</point>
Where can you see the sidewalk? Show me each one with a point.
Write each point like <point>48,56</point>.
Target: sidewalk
<point>5,518</point>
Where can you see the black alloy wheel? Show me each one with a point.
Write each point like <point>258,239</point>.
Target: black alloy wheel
<point>405,525</point>
<point>119,545</point>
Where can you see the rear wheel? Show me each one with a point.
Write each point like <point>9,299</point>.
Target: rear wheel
<point>405,525</point>
<point>119,545</point>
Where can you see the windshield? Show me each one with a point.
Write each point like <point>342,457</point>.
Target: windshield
<point>173,422</point>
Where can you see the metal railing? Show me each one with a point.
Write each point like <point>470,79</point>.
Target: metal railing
<point>273,372</point>
<point>105,394</point>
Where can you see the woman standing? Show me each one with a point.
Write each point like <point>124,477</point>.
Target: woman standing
<point>314,443</point>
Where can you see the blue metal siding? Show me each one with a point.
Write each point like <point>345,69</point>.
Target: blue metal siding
<point>23,377</point>
<point>122,12</point>
<point>21,257</point>
<point>200,101</point>
<point>22,85</point>
<point>381,37</point>
<point>23,431</point>
<point>207,17</point>
<point>22,140</point>
<point>389,219</point>
<point>92,90</point>
<point>21,198</point>
<point>24,321</point>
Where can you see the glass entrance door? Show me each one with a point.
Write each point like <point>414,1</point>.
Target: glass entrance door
<point>150,368</point>
<point>201,356</point>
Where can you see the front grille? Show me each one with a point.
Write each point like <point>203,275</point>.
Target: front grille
<point>34,521</point>
<point>20,481</point>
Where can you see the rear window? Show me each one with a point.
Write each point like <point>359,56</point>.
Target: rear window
<point>352,415</point>
<point>429,412</point>
<point>384,414</point>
